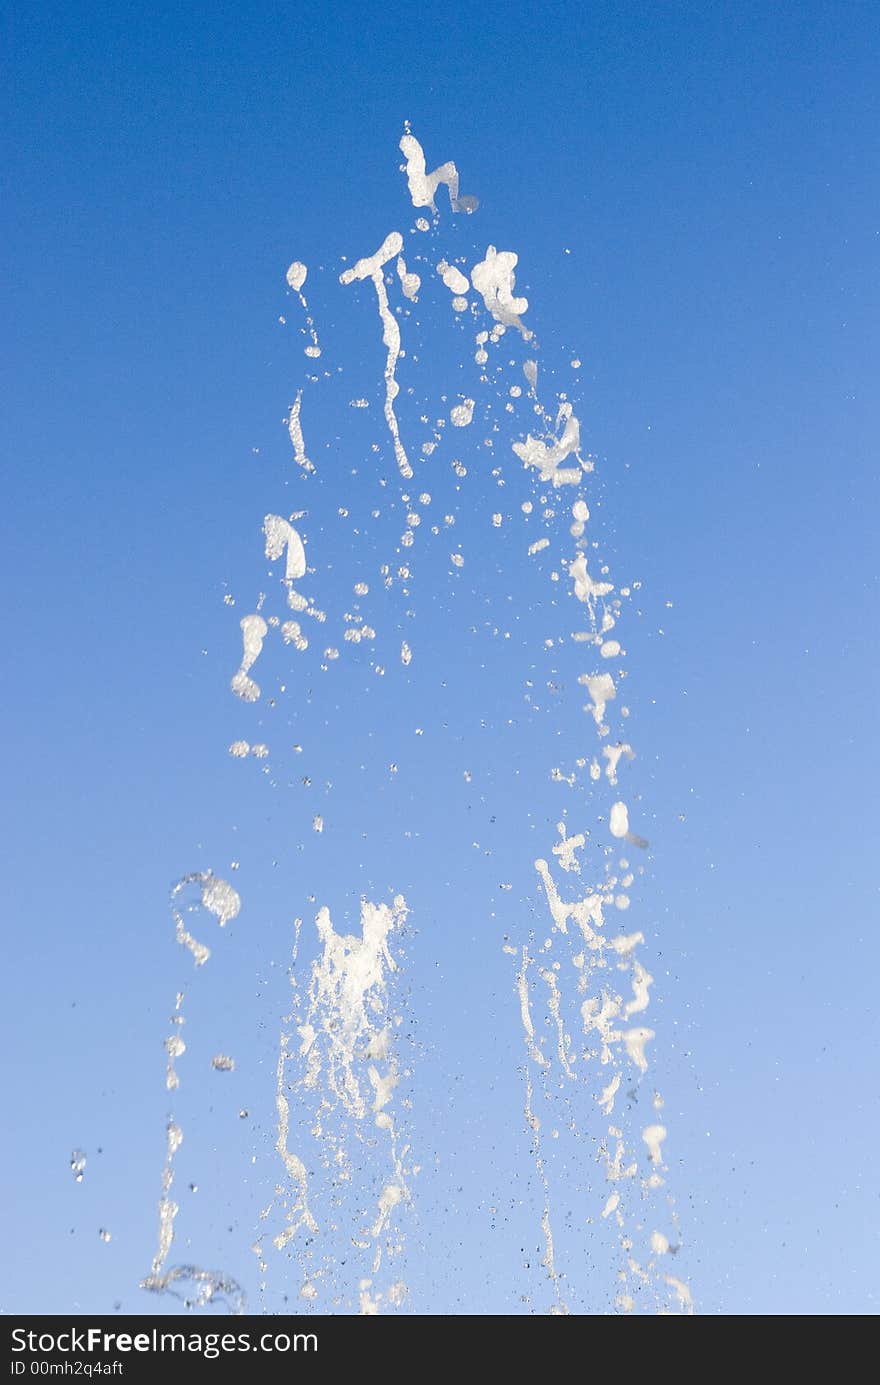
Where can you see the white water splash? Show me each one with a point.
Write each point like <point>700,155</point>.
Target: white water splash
<point>294,427</point>
<point>462,414</point>
<point>423,185</point>
<point>455,281</point>
<point>494,279</point>
<point>337,1220</point>
<point>297,274</point>
<point>253,631</point>
<point>547,456</point>
<point>371,268</point>
<point>409,283</point>
<point>280,537</point>
<point>215,897</point>
<point>337,1056</point>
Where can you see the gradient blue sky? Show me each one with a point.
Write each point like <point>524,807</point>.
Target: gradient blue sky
<point>712,171</point>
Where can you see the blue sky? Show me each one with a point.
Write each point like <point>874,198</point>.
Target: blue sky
<point>692,192</point>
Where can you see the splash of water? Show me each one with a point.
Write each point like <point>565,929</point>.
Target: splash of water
<point>341,1139</point>
<point>217,898</point>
